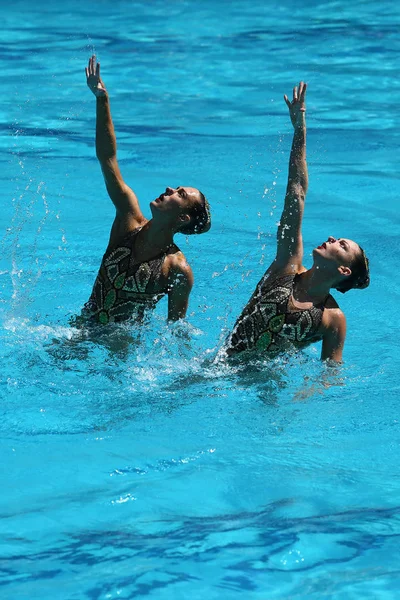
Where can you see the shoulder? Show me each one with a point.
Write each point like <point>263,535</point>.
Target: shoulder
<point>333,319</point>
<point>176,260</point>
<point>179,270</point>
<point>331,303</point>
<point>281,270</point>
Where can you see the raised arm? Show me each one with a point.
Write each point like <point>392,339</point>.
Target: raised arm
<point>289,253</point>
<point>123,197</point>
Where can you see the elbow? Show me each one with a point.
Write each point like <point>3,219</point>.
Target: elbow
<point>105,157</point>
<point>304,184</point>
<point>297,191</point>
<point>301,188</point>
<point>106,148</point>
<point>301,195</point>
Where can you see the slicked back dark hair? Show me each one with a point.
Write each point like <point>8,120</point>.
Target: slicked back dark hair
<point>200,218</point>
<point>359,278</point>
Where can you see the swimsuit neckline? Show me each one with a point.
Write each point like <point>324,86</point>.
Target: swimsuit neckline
<point>320,305</point>
<point>155,257</point>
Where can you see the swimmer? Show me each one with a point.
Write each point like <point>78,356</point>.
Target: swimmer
<point>141,263</point>
<point>292,305</point>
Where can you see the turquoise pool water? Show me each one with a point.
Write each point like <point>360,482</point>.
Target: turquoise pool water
<point>133,465</point>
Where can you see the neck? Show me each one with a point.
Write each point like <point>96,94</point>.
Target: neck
<point>316,283</point>
<point>158,235</point>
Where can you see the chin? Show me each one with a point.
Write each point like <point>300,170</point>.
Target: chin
<point>153,207</point>
<point>319,259</point>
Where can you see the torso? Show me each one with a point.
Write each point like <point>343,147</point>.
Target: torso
<point>124,288</point>
<point>273,320</point>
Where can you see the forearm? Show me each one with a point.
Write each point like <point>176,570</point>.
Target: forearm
<point>298,174</point>
<point>106,143</point>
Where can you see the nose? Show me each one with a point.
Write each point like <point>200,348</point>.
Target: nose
<point>169,191</point>
<point>331,239</point>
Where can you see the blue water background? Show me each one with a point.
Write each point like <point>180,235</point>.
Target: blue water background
<point>134,466</point>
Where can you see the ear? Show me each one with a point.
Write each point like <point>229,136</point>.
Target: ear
<point>184,218</point>
<point>344,271</point>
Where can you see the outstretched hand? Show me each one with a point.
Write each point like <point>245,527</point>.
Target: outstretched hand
<point>93,78</point>
<point>298,105</point>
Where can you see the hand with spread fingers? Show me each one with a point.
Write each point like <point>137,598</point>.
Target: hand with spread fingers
<point>93,78</point>
<point>297,107</point>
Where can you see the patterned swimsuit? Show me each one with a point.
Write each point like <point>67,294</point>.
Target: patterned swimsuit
<point>124,289</point>
<point>270,322</point>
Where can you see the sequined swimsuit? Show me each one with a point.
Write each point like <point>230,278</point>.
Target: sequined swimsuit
<point>124,289</point>
<point>270,322</point>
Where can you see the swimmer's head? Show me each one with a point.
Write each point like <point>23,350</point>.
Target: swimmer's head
<point>199,217</point>
<point>186,209</point>
<point>359,278</point>
<point>347,259</point>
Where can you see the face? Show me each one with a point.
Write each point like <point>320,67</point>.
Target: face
<point>337,251</point>
<point>175,202</point>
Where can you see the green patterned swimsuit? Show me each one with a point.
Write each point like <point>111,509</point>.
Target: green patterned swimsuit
<point>124,289</point>
<point>270,321</point>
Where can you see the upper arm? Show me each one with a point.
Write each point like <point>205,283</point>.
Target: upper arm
<point>289,252</point>
<point>334,335</point>
<point>122,196</point>
<point>180,283</point>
